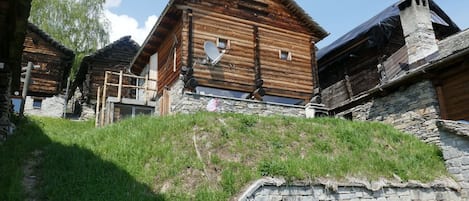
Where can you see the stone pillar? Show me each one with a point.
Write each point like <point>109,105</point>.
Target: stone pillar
<point>418,29</point>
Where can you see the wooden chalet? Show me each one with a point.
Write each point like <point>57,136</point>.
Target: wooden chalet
<point>13,22</point>
<point>114,57</point>
<point>269,49</point>
<point>388,54</point>
<point>52,63</point>
<point>372,54</point>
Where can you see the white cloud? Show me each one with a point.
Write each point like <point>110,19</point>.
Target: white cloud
<point>112,3</point>
<point>124,25</point>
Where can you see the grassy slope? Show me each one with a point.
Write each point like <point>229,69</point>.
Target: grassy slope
<point>155,159</point>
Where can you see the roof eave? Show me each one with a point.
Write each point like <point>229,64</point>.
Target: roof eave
<point>152,32</point>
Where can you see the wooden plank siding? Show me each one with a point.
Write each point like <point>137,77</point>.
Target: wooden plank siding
<point>166,72</point>
<point>236,71</point>
<point>52,66</point>
<point>114,57</point>
<point>455,92</point>
<point>256,30</point>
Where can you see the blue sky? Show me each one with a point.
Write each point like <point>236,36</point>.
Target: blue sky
<point>136,17</point>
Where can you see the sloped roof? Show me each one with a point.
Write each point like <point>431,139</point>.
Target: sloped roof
<point>308,21</point>
<point>380,26</point>
<point>82,71</point>
<point>50,40</point>
<point>126,40</point>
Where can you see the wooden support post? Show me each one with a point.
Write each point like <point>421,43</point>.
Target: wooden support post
<point>190,43</point>
<point>27,81</point>
<point>145,90</point>
<point>119,90</point>
<point>103,105</point>
<point>314,69</point>
<point>97,107</point>
<point>348,86</point>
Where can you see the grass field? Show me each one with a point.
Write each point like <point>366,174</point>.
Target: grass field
<point>203,156</point>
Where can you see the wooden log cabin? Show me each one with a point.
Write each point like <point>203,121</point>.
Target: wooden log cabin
<point>388,57</point>
<point>52,63</point>
<point>114,57</point>
<point>269,49</point>
<point>372,54</point>
<point>13,22</point>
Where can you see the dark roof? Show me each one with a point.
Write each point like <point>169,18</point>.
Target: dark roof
<point>83,70</point>
<point>127,40</point>
<point>50,40</point>
<point>453,44</point>
<point>380,27</point>
<point>308,21</point>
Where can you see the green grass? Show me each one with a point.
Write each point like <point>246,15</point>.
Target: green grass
<point>155,158</point>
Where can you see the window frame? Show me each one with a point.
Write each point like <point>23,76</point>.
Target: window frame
<point>37,100</point>
<point>285,55</point>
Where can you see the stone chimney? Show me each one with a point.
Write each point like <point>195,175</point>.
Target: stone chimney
<point>418,29</point>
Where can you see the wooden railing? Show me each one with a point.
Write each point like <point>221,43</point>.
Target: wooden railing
<point>123,84</point>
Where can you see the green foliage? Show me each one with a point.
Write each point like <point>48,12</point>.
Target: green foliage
<point>78,24</point>
<point>155,159</point>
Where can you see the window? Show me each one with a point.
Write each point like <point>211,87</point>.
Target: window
<point>16,104</point>
<point>37,103</point>
<point>223,43</point>
<point>284,55</point>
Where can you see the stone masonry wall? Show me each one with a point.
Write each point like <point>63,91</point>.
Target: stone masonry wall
<point>51,107</point>
<point>414,110</point>
<point>455,146</point>
<point>5,105</point>
<point>187,103</point>
<point>272,190</point>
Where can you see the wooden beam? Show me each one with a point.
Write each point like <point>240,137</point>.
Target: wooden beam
<point>119,90</point>
<point>257,60</point>
<point>98,95</point>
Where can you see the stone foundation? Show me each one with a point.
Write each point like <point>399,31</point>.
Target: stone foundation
<point>455,146</point>
<point>414,110</point>
<point>186,103</point>
<point>275,189</point>
<point>51,106</point>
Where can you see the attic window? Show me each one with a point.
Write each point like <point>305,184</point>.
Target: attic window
<point>284,55</point>
<point>223,43</point>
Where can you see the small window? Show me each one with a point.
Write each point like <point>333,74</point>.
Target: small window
<point>37,103</point>
<point>223,43</point>
<point>285,55</point>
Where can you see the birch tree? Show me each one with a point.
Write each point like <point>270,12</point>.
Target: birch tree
<point>78,24</point>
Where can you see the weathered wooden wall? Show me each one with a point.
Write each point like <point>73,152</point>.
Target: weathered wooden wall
<point>277,30</point>
<point>13,23</point>
<point>167,72</point>
<point>256,29</point>
<point>48,77</point>
<point>453,90</point>
<point>114,57</point>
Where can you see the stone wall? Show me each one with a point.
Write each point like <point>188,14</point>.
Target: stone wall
<point>187,103</point>
<point>51,106</point>
<point>455,146</point>
<point>274,189</point>
<point>5,105</point>
<point>414,109</point>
